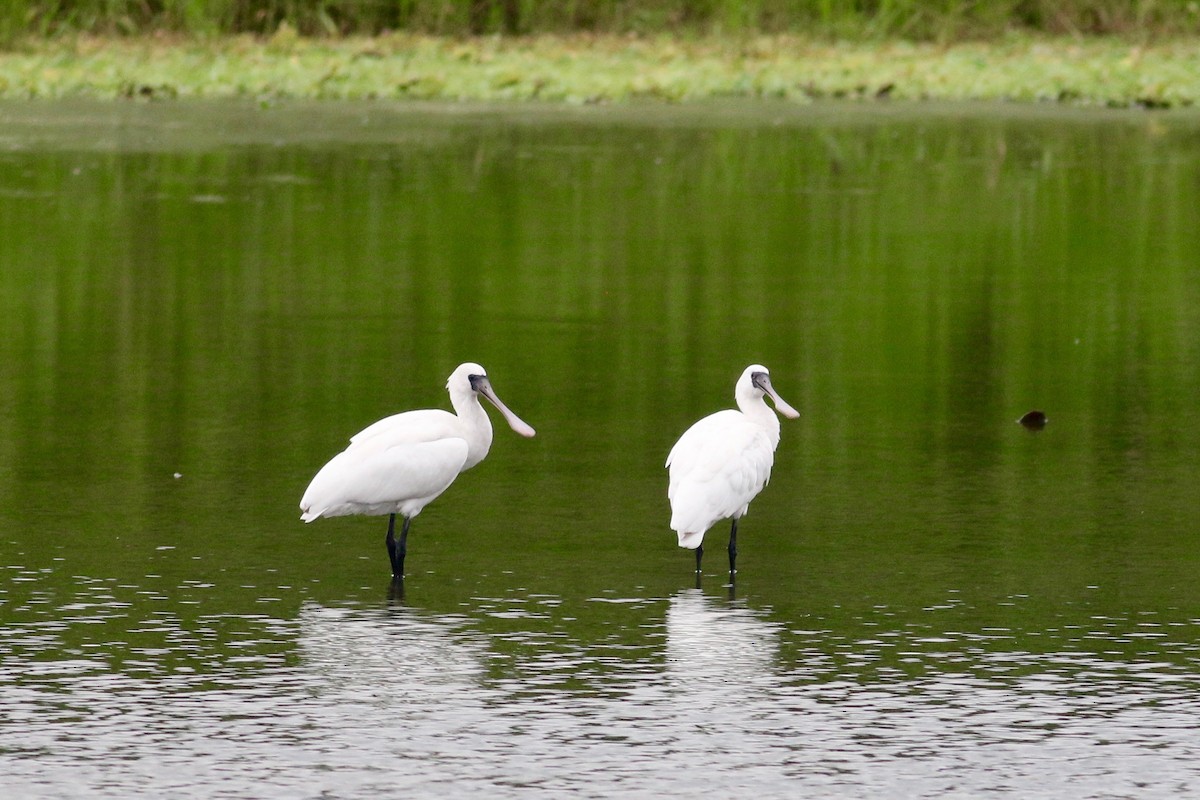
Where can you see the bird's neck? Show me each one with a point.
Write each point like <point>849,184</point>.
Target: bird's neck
<point>758,412</point>
<point>476,429</point>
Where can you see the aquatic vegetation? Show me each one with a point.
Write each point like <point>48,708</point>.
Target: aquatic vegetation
<point>926,20</point>
<point>589,69</point>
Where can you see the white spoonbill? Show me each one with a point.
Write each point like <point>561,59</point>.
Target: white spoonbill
<point>401,463</point>
<point>723,461</point>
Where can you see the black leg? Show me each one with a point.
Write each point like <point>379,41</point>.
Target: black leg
<point>391,542</point>
<point>402,549</point>
<point>397,550</point>
<point>733,547</point>
<point>699,555</point>
<point>396,590</point>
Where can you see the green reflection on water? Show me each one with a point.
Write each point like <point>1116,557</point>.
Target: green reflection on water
<point>228,293</point>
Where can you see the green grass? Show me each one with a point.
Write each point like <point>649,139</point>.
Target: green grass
<point>1113,52</point>
<point>922,20</point>
<point>590,69</point>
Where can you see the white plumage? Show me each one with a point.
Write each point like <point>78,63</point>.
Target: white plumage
<point>723,461</point>
<point>399,464</point>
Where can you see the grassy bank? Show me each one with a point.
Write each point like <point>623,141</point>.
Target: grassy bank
<point>943,20</point>
<point>583,69</point>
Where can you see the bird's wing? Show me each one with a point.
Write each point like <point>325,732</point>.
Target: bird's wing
<point>380,474</point>
<point>424,425</point>
<point>403,471</point>
<point>716,468</point>
<point>694,440</point>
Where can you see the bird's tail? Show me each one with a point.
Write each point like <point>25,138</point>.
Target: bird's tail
<point>308,515</point>
<point>690,540</point>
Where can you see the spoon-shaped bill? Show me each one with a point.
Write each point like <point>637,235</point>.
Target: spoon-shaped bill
<point>763,381</point>
<point>516,423</point>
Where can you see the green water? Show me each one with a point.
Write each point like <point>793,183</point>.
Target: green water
<point>199,304</point>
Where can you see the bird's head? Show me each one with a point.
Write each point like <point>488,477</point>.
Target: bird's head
<point>472,378</point>
<point>758,379</point>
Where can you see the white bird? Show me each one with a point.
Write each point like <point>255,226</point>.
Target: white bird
<point>401,463</point>
<point>723,461</point>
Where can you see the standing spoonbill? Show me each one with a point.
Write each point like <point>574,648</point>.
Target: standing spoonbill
<point>401,463</point>
<point>723,461</point>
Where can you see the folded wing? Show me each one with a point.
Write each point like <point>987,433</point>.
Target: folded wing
<point>397,465</point>
<point>716,468</point>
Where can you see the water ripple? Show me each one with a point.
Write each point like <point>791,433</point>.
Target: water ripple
<point>681,694</point>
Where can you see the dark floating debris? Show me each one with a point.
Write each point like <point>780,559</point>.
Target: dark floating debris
<point>1034,420</point>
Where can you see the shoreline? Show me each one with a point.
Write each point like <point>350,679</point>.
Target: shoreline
<point>580,70</point>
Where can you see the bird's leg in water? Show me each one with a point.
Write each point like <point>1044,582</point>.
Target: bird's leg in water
<point>699,555</point>
<point>391,541</point>
<point>397,550</point>
<point>733,547</point>
<point>402,547</point>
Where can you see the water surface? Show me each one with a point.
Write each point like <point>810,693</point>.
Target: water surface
<point>200,303</point>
